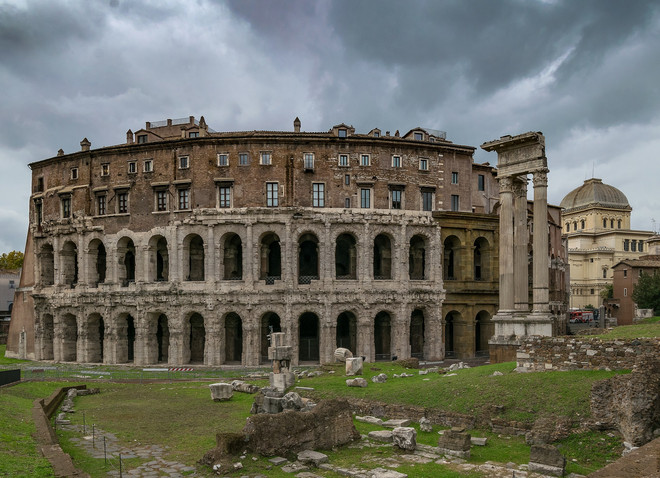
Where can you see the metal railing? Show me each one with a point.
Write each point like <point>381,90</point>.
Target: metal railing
<point>307,279</point>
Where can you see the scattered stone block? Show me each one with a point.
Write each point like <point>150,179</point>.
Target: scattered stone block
<point>221,391</point>
<point>356,382</point>
<point>385,473</point>
<point>547,459</point>
<point>241,386</point>
<point>380,378</point>
<point>292,401</point>
<point>354,366</point>
<point>384,436</point>
<point>272,405</point>
<point>405,438</point>
<point>278,460</point>
<point>368,419</point>
<point>455,442</point>
<point>425,425</point>
<point>311,457</point>
<point>394,423</point>
<point>282,381</point>
<point>432,369</point>
<point>294,467</point>
<point>478,441</point>
<point>342,354</point>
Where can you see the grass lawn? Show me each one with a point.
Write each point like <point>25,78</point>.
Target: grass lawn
<point>647,328</point>
<point>8,361</point>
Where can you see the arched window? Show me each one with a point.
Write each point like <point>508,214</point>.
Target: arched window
<point>69,264</point>
<point>451,258</point>
<point>417,258</point>
<point>347,331</point>
<point>346,257</point>
<point>382,258</point>
<point>308,259</point>
<point>233,258</point>
<point>159,259</point>
<point>481,258</point>
<point>47,265</point>
<point>126,253</point>
<point>193,247</point>
<point>271,258</point>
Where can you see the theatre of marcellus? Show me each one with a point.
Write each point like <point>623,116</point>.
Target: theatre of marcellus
<point>188,246</point>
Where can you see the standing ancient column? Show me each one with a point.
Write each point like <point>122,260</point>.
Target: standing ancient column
<point>506,244</point>
<point>520,245</point>
<point>541,262</point>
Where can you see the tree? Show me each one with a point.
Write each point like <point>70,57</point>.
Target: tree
<point>647,291</point>
<point>607,292</point>
<point>11,260</point>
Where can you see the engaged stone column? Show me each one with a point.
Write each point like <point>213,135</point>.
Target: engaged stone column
<point>541,262</point>
<point>506,244</point>
<point>520,246</point>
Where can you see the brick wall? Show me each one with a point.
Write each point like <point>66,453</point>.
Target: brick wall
<point>537,354</point>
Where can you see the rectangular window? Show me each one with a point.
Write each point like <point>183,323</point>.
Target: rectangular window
<point>266,159</point>
<point>224,193</point>
<point>423,164</point>
<point>184,199</point>
<point>74,173</point>
<point>105,169</point>
<point>592,291</point>
<point>625,292</point>
<point>347,203</point>
<point>625,273</point>
<point>39,211</point>
<point>272,199</point>
<point>40,185</point>
<point>455,204</point>
<point>626,245</point>
<point>122,203</point>
<point>223,159</point>
<point>454,177</point>
<point>148,166</point>
<point>318,195</point>
<point>100,205</point>
<point>161,200</point>
<point>309,160</point>
<point>342,133</point>
<point>633,245</point>
<point>365,198</point>
<point>365,160</point>
<point>142,138</point>
<point>132,167</point>
<point>184,162</point>
<point>639,246</point>
<point>243,159</point>
<point>396,195</point>
<point>481,182</point>
<point>343,160</point>
<point>427,201</point>
<point>193,134</point>
<point>396,161</point>
<point>66,207</point>
<point>419,136</point>
<point>604,273</point>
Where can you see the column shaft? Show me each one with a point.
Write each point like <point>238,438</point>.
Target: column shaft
<point>520,246</point>
<point>506,244</point>
<point>541,262</point>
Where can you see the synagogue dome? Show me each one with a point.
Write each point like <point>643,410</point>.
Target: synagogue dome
<point>595,193</point>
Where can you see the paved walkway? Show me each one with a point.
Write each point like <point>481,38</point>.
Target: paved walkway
<point>156,467</point>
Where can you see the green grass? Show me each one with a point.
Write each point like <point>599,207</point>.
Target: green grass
<point>517,396</point>
<point>647,329</point>
<point>589,451</point>
<point>19,455</point>
<point>8,361</point>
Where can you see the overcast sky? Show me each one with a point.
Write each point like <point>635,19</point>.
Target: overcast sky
<point>585,73</point>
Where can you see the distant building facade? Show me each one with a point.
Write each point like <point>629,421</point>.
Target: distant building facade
<point>596,219</point>
<point>9,280</point>
<point>185,245</point>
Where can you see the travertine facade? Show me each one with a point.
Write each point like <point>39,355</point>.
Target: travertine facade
<point>184,245</point>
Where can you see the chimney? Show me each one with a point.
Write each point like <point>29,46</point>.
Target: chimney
<point>129,137</point>
<point>85,144</point>
<point>296,125</point>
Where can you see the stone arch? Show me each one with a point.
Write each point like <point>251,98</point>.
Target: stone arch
<point>162,339</point>
<point>126,261</point>
<point>383,336</point>
<point>451,256</point>
<point>417,329</point>
<point>483,331</point>
<point>268,320</point>
<point>69,264</point>
<point>95,332</point>
<point>308,337</point>
<point>195,338</point>
<point>69,338</point>
<point>382,266</point>
<point>125,337</point>
<point>308,258</point>
<point>47,337</point>
<point>159,259</point>
<point>451,319</point>
<point>97,260</point>
<point>233,338</point>
<point>232,257</point>
<point>346,257</point>
<point>481,259</point>
<point>193,257</point>
<point>46,265</point>
<point>346,335</point>
<point>417,258</point>
<point>271,258</point>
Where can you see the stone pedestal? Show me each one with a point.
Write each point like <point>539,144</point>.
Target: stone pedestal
<point>547,460</point>
<point>221,391</point>
<point>455,442</point>
<point>353,366</point>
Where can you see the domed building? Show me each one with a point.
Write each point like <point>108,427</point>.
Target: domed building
<point>596,221</point>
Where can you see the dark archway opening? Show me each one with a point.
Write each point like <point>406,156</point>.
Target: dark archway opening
<point>163,338</point>
<point>197,338</point>
<point>347,331</point>
<point>308,326</point>
<point>383,336</point>
<point>417,334</point>
<point>233,338</point>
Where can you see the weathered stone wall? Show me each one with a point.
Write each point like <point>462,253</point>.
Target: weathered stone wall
<point>538,354</point>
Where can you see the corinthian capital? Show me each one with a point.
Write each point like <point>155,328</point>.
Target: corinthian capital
<point>540,178</point>
<point>506,184</point>
<point>520,188</point>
